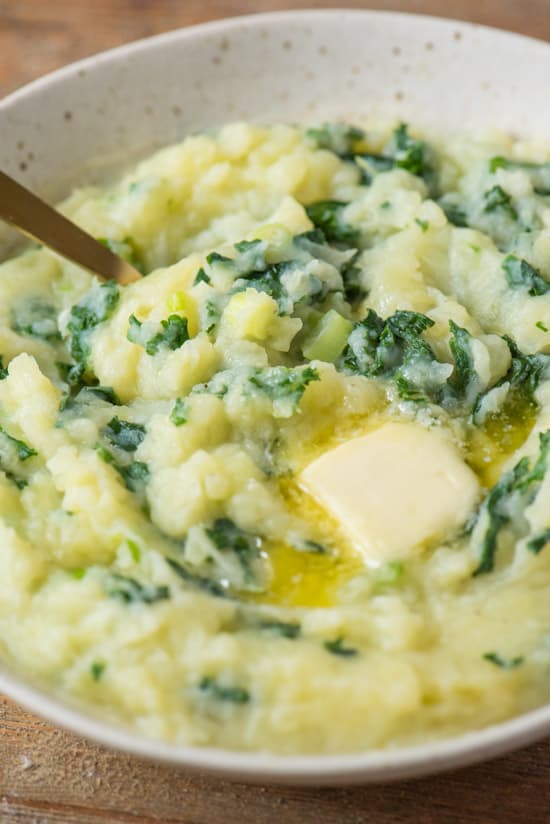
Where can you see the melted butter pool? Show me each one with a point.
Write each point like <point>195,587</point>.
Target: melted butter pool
<point>491,445</point>
<point>305,577</point>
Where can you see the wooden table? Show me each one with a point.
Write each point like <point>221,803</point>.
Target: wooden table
<point>47,775</point>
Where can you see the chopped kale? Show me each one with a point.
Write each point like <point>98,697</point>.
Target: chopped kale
<point>134,474</point>
<point>370,165</point>
<point>180,412</point>
<point>24,451</point>
<point>173,334</point>
<point>314,547</point>
<point>201,277</point>
<point>251,254</point>
<point>95,308</point>
<point>125,249</point>
<point>394,349</point>
<point>354,290</point>
<point>539,173</point>
<point>515,490</point>
<point>337,647</point>
<point>36,318</point>
<point>123,434</point>
<point>228,537</point>
<point>83,393</point>
<point>20,483</point>
<point>454,213</point>
<point>215,257</point>
<point>409,153</point>
<point>280,383</point>
<point>103,393</point>
<point>464,381</point>
<point>97,669</point>
<point>326,215</point>
<point>537,544</point>
<point>523,377</point>
<point>210,315</point>
<point>526,371</point>
<point>267,280</point>
<point>130,591</point>
<point>212,688</point>
<point>340,138</point>
<point>3,370</point>
<point>198,581</point>
<point>503,663</point>
<point>498,199</point>
<point>521,275</point>
<point>284,629</point>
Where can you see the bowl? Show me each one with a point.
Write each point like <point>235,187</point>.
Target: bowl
<point>83,121</point>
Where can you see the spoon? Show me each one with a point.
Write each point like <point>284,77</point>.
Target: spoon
<point>21,208</point>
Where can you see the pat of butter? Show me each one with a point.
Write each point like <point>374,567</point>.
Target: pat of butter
<point>394,490</point>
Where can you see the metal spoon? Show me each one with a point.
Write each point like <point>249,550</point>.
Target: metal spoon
<point>34,217</point>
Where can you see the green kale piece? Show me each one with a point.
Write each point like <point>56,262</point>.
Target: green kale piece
<point>537,544</point>
<point>498,199</point>
<point>409,153</point>
<point>201,277</point>
<point>520,486</point>
<point>96,307</point>
<point>198,581</point>
<point>3,369</point>
<point>215,257</point>
<point>394,349</point>
<point>539,173</point>
<point>126,249</point>
<point>285,629</point>
<point>211,687</point>
<point>173,334</point>
<point>123,434</point>
<point>503,663</point>
<point>227,536</point>
<point>130,591</point>
<point>180,412</point>
<point>210,314</point>
<point>97,669</point>
<point>36,318</point>
<point>523,377</point>
<point>464,381</point>
<point>134,474</point>
<point>337,647</point>
<point>454,213</point>
<point>24,451</point>
<point>521,275</point>
<point>283,383</point>
<point>267,280</point>
<point>326,215</point>
<point>339,138</point>
<point>251,254</point>
<point>103,393</point>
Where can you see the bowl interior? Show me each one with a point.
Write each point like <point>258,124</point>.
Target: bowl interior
<point>83,121</point>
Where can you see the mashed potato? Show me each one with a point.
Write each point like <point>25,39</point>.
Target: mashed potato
<point>188,542</point>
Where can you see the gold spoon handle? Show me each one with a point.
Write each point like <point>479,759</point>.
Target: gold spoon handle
<point>33,217</point>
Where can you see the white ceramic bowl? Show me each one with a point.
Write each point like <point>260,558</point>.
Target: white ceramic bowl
<point>292,66</point>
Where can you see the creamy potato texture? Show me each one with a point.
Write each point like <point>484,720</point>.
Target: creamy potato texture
<point>290,491</point>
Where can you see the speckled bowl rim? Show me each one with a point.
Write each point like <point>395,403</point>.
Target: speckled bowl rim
<point>322,770</point>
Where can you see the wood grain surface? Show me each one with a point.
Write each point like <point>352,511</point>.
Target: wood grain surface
<point>48,776</point>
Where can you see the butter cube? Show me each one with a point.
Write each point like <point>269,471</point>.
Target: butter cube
<point>394,490</point>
